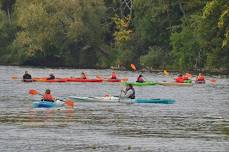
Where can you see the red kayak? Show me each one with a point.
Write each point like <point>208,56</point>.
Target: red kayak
<point>82,80</point>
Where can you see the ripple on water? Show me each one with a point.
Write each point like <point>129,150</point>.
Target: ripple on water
<point>198,121</point>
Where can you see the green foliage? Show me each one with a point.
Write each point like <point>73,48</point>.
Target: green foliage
<point>7,36</point>
<point>88,34</point>
<point>154,58</point>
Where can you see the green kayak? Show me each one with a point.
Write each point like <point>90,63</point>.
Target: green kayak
<point>146,83</point>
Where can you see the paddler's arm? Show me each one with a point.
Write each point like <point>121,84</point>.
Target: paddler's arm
<point>127,94</point>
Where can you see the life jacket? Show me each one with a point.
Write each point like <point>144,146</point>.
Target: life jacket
<point>140,79</point>
<point>83,77</point>
<point>180,80</point>
<point>113,76</point>
<point>185,77</point>
<point>200,78</point>
<point>132,96</point>
<point>27,76</point>
<point>51,77</point>
<point>48,97</point>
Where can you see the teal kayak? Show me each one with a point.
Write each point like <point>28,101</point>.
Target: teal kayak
<point>124,100</point>
<point>146,83</point>
<point>47,104</point>
<point>151,100</point>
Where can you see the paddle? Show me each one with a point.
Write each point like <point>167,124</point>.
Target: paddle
<point>166,72</point>
<point>14,77</point>
<point>133,67</point>
<point>68,102</point>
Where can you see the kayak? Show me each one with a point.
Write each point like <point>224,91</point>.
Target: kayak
<point>27,80</point>
<point>146,83</point>
<point>117,99</point>
<point>82,80</point>
<point>94,99</point>
<point>188,81</point>
<point>48,104</point>
<point>152,100</point>
<point>115,80</point>
<point>200,81</point>
<point>45,80</point>
<point>175,84</point>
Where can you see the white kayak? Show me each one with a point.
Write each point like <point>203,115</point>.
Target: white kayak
<point>95,99</point>
<point>117,99</point>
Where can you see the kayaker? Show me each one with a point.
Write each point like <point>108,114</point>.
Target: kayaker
<point>187,76</point>
<point>200,77</point>
<point>51,77</point>
<point>140,78</point>
<point>180,79</point>
<point>129,92</point>
<point>83,76</point>
<point>27,76</point>
<point>48,96</point>
<point>113,75</point>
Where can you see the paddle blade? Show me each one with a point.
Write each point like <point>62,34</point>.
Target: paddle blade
<point>213,81</point>
<point>166,72</point>
<point>99,77</point>
<point>69,103</point>
<point>133,67</point>
<point>14,77</point>
<point>33,92</point>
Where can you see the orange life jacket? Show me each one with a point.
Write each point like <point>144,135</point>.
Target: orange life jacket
<point>48,97</point>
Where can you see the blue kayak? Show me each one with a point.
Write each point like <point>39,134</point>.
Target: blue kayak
<point>47,104</point>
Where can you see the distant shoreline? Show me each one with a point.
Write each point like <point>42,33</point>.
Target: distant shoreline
<point>151,70</point>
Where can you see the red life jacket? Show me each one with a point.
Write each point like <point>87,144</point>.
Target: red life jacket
<point>113,76</point>
<point>140,79</point>
<point>48,97</point>
<point>180,80</point>
<point>185,77</point>
<point>200,78</point>
<point>83,77</point>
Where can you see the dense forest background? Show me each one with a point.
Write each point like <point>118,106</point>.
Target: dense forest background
<point>177,34</point>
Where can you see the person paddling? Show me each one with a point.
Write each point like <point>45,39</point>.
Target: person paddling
<point>83,76</point>
<point>200,77</point>
<point>48,96</point>
<point>51,77</point>
<point>140,78</point>
<point>129,92</point>
<point>27,76</point>
<point>180,79</point>
<point>113,75</point>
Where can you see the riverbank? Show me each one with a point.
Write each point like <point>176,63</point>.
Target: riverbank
<point>142,69</point>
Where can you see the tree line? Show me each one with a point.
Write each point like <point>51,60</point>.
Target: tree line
<point>178,34</point>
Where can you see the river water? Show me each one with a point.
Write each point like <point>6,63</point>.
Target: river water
<point>196,122</point>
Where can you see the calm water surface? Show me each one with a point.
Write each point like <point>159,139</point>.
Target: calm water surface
<point>194,123</point>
